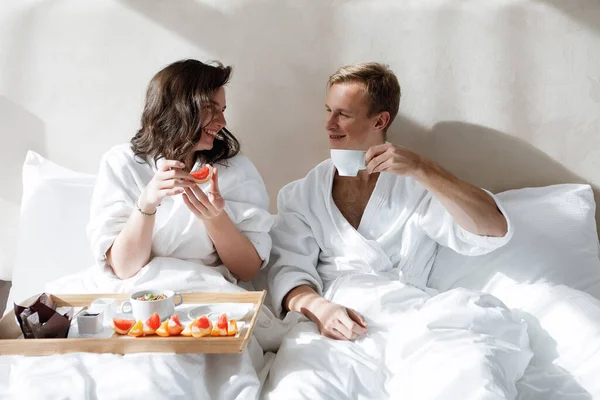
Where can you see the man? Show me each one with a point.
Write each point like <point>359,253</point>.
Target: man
<point>353,253</point>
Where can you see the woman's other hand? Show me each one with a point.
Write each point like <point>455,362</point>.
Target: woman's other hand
<point>205,206</point>
<point>169,180</point>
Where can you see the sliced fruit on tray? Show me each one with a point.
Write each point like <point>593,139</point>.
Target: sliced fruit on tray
<point>187,331</point>
<point>222,324</point>
<point>232,329</point>
<point>137,329</point>
<point>202,327</point>
<point>163,330</point>
<point>122,326</point>
<point>152,324</point>
<point>174,327</point>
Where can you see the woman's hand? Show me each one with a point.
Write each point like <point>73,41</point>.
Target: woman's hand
<point>235,250</point>
<point>169,180</point>
<point>203,206</point>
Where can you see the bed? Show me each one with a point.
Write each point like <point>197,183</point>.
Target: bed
<point>549,275</point>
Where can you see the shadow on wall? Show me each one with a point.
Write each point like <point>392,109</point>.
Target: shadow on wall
<point>483,156</point>
<point>21,131</point>
<point>271,60</point>
<point>586,12</point>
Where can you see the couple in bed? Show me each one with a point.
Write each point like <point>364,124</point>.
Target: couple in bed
<point>350,253</point>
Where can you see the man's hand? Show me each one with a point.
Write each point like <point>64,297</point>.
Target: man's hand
<point>337,322</point>
<point>393,158</point>
<point>471,207</point>
<point>333,320</point>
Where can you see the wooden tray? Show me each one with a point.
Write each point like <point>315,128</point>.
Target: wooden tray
<point>118,344</point>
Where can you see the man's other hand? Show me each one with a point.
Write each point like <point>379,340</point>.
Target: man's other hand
<point>388,157</point>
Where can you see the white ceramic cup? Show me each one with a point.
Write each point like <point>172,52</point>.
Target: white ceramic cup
<point>143,309</point>
<point>107,305</point>
<point>90,323</point>
<point>348,162</point>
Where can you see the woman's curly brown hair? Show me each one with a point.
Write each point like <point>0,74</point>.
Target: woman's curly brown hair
<point>173,114</point>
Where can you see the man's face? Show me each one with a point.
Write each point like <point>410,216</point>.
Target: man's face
<point>347,122</point>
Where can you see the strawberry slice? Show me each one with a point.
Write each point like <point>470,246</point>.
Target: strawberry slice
<point>174,327</point>
<point>201,327</point>
<point>154,321</point>
<point>204,322</point>
<point>175,318</point>
<point>152,324</point>
<point>222,324</point>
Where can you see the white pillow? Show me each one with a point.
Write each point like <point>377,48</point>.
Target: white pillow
<point>555,241</point>
<point>52,242</point>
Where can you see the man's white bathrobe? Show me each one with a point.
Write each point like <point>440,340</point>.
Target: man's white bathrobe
<point>381,270</point>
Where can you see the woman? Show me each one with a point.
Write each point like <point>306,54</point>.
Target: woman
<point>146,205</point>
<point>152,227</point>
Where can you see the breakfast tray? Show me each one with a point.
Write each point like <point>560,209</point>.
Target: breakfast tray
<point>12,342</point>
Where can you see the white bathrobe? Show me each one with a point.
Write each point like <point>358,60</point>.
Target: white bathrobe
<point>398,234</point>
<point>468,344</point>
<point>178,233</point>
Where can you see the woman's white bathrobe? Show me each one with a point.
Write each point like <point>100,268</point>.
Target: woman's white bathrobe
<point>381,270</point>
<point>178,233</point>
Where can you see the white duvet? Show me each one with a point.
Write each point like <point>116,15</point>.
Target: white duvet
<point>456,345</point>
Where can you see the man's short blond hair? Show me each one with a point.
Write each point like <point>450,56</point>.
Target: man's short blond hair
<point>381,86</point>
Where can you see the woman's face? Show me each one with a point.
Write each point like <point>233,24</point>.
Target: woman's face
<point>213,122</point>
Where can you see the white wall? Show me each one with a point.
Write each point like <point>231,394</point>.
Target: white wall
<point>503,93</point>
